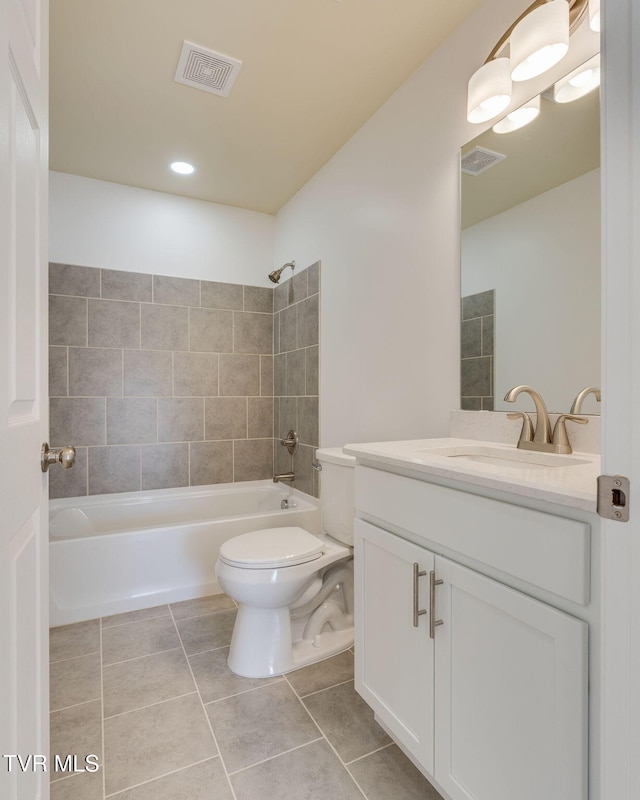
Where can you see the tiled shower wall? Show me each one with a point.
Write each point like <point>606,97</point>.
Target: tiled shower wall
<point>296,337</point>
<point>159,382</point>
<point>477,351</point>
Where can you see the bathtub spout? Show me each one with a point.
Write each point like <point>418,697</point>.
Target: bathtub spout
<point>287,477</point>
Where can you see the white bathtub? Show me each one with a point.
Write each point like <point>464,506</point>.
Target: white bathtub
<point>122,552</point>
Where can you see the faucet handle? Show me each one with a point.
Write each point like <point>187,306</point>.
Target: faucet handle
<point>560,438</point>
<point>526,434</point>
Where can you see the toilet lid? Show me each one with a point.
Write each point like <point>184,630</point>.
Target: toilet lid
<point>270,548</point>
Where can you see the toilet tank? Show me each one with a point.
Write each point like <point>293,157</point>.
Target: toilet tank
<point>337,500</point>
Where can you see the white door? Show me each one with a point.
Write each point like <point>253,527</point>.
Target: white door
<point>394,654</point>
<point>23,396</point>
<point>620,711</point>
<point>510,693</point>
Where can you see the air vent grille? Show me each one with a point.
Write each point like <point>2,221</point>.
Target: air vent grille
<point>207,70</point>
<point>478,160</point>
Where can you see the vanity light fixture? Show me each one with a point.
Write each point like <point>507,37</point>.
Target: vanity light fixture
<point>594,15</point>
<point>182,167</point>
<point>539,40</point>
<point>519,117</point>
<point>536,41</point>
<point>578,82</point>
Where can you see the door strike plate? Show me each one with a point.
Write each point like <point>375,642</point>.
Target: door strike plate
<point>613,497</point>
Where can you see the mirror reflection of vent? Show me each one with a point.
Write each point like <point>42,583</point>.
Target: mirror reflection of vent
<point>207,70</point>
<point>478,160</point>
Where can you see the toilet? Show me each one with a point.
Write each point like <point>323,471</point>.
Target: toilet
<point>294,589</point>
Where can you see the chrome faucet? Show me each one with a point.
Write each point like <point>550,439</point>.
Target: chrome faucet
<point>576,408</point>
<point>543,439</point>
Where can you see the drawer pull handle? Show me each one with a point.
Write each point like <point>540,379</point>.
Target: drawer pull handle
<point>433,622</point>
<point>417,573</point>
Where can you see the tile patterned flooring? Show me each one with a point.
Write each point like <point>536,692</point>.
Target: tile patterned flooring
<point>150,693</point>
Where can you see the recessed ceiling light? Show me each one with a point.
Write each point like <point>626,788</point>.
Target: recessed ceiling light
<point>182,168</point>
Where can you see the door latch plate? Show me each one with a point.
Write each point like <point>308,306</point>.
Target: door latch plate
<point>613,497</point>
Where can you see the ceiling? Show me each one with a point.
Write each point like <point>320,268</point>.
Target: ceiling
<point>562,143</point>
<point>313,72</point>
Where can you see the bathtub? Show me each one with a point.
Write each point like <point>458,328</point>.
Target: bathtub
<point>123,552</point>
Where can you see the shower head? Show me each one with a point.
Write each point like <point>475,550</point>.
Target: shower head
<point>275,275</point>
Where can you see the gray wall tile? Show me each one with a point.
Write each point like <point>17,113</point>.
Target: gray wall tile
<point>471,337</point>
<point>114,469</point>
<point>147,373</point>
<point>296,372</point>
<point>308,321</point>
<point>281,296</point>
<point>210,330</point>
<point>478,305</point>
<point>222,295</point>
<point>476,377</point>
<point>253,459</point>
<point>303,470</point>
<point>180,419</point>
<point>487,403</point>
<point>471,404</point>
<point>300,286</point>
<point>114,323</point>
<point>258,298</point>
<point>280,374</point>
<point>211,462</point>
<point>289,329</point>
<point>95,372</point>
<point>308,420</point>
<point>176,291</point>
<point>70,482</point>
<point>312,370</point>
<point>313,273</point>
<point>488,325</point>
<point>58,372</point>
<point>239,375</point>
<point>164,327</point>
<point>225,417</point>
<point>132,420</point>
<point>276,333</point>
<point>287,416</point>
<point>266,375</point>
<point>72,280</point>
<point>67,321</point>
<point>165,466</point>
<point>252,332</point>
<point>195,374</point>
<point>117,285</point>
<point>77,421</point>
<point>260,417</point>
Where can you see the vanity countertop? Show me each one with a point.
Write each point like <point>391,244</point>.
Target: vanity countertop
<point>572,486</point>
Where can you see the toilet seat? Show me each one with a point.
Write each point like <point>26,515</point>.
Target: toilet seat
<point>271,549</point>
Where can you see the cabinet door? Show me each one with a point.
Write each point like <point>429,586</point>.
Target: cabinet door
<point>510,693</point>
<point>394,659</point>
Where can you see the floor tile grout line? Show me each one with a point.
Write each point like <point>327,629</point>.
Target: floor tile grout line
<point>277,755</point>
<point>158,777</point>
<point>135,658</point>
<point>366,755</point>
<point>75,705</point>
<point>151,705</point>
<point>72,658</point>
<point>325,689</point>
<point>133,621</point>
<point>138,658</point>
<point>204,710</point>
<point>244,691</point>
<point>234,607</point>
<point>325,737</point>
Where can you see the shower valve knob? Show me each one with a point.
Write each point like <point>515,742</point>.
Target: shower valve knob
<point>65,456</point>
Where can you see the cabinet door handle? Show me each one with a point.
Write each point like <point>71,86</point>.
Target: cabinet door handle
<point>417,573</point>
<point>433,622</point>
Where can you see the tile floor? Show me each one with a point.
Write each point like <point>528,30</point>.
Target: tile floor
<point>150,693</point>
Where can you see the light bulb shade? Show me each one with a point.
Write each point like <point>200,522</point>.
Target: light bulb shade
<point>539,40</point>
<point>489,90</point>
<point>594,15</point>
<point>519,117</point>
<point>578,82</point>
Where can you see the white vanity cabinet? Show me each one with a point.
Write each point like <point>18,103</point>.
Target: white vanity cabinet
<point>494,706</point>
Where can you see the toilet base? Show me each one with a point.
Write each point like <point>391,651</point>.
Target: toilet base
<point>258,653</point>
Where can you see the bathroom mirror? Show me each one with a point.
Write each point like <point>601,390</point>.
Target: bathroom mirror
<point>530,260</point>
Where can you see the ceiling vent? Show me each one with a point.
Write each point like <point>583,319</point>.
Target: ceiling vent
<point>478,160</point>
<point>207,70</point>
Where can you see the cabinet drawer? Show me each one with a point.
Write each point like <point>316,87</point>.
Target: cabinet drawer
<point>545,550</point>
